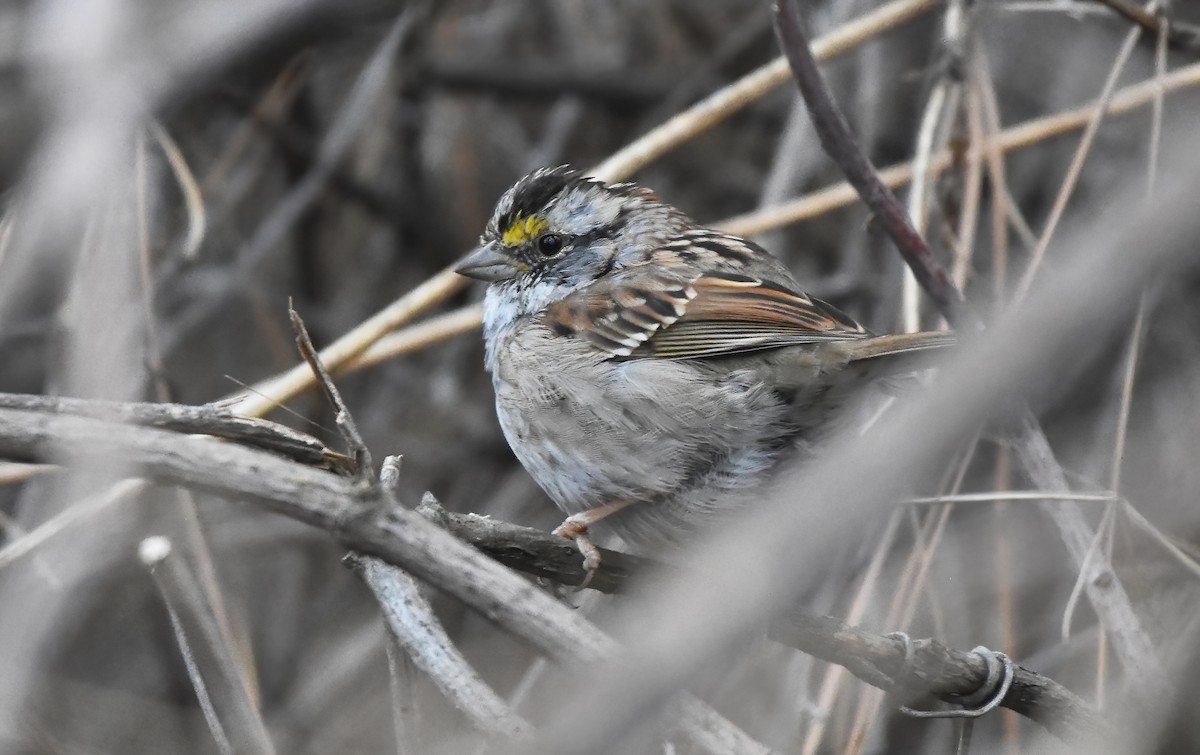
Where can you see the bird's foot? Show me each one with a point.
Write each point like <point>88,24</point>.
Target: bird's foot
<point>575,529</point>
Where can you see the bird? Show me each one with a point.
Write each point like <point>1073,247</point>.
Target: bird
<point>650,373</point>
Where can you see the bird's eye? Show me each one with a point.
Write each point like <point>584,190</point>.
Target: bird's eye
<point>549,244</point>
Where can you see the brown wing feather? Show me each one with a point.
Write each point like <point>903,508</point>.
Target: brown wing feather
<point>734,313</point>
<point>653,312</point>
<point>620,312</point>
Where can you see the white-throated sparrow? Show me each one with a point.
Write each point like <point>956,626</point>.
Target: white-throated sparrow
<point>650,372</point>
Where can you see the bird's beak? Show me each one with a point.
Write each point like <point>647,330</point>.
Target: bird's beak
<point>488,264</point>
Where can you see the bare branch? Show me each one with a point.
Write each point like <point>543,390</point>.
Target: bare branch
<point>210,419</point>
<point>935,669</point>
<point>353,514</point>
<point>411,621</point>
<point>405,539</point>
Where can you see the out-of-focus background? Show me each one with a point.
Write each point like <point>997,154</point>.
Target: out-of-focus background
<point>172,173</point>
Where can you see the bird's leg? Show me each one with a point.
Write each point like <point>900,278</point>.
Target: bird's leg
<point>575,528</point>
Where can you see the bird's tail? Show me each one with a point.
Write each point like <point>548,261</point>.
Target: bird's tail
<point>891,355</point>
<point>900,343</point>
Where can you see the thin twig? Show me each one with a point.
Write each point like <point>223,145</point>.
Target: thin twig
<point>1006,604</point>
<point>1023,135</point>
<point>354,114</point>
<point>14,472</point>
<point>985,130</point>
<point>193,198</point>
<point>264,396</point>
<point>902,609</point>
<point>1133,348</point>
<point>228,704</point>
<point>1135,516</point>
<point>1156,112</point>
<point>158,371</point>
<point>19,547</point>
<point>1015,495</point>
<point>416,337</point>
<point>918,196</point>
<point>968,221</point>
<point>1104,590</point>
<point>720,105</point>
<point>1125,401</point>
<point>1071,180</point>
<point>406,718</point>
<point>1106,523</point>
<point>345,421</point>
<point>1179,34</point>
<point>831,684</point>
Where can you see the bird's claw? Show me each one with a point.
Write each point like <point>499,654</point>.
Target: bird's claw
<point>576,531</point>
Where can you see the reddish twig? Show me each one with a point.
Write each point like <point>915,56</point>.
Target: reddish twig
<point>839,143</point>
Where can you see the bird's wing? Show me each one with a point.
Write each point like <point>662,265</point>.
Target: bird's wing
<point>652,311</point>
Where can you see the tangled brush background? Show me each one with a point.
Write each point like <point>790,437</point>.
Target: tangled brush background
<point>175,172</point>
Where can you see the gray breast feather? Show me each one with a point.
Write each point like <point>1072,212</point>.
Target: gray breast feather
<point>592,431</point>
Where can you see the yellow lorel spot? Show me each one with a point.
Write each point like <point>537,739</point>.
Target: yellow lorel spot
<point>523,229</point>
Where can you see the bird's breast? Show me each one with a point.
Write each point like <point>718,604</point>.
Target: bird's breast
<point>591,430</point>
